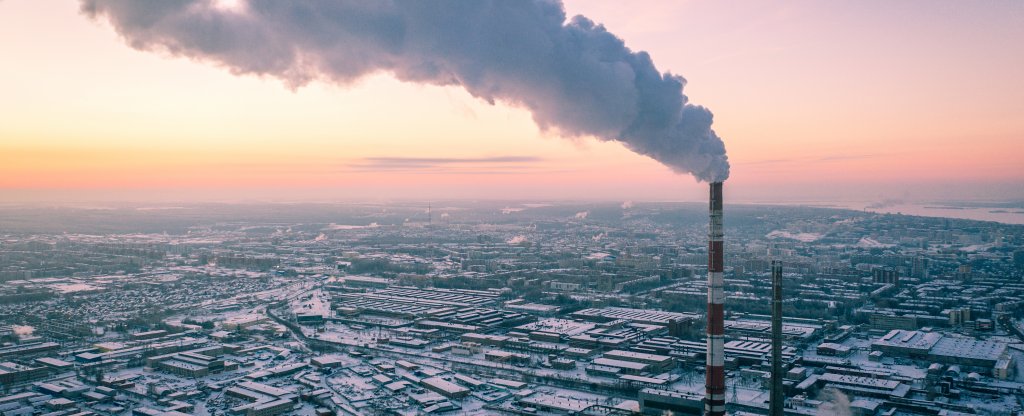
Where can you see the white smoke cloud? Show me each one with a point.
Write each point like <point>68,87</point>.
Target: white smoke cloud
<point>519,239</point>
<point>835,403</point>
<point>575,77</point>
<point>582,215</point>
<point>627,205</point>
<point>23,330</point>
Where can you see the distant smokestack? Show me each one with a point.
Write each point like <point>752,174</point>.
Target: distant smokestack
<point>775,405</point>
<point>714,381</point>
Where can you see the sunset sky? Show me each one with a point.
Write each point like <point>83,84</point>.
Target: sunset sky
<point>815,101</point>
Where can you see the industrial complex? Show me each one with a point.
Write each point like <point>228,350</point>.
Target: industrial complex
<point>519,310</point>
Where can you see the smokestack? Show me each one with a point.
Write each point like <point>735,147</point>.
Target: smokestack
<point>714,381</point>
<point>775,404</point>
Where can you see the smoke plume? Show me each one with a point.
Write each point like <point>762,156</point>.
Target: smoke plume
<point>575,77</point>
<point>834,403</point>
<point>23,330</point>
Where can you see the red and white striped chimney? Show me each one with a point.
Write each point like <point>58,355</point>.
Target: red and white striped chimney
<point>714,379</point>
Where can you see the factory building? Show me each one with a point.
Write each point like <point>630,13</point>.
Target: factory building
<point>935,347</point>
<point>657,363</point>
<point>11,373</point>
<point>444,387</point>
<point>864,386</point>
<point>658,402</point>
<point>642,316</point>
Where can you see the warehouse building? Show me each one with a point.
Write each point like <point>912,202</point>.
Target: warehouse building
<point>864,386</point>
<point>932,346</point>
<point>661,402</point>
<point>904,343</point>
<point>657,363</point>
<point>444,387</point>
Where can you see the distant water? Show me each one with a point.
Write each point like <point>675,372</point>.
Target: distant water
<point>1004,213</point>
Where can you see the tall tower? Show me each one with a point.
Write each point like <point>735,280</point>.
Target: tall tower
<point>775,404</point>
<point>714,376</point>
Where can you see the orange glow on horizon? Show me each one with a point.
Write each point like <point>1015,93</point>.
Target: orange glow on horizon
<point>801,95</point>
